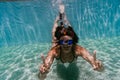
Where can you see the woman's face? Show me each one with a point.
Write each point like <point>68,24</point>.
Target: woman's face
<point>66,43</point>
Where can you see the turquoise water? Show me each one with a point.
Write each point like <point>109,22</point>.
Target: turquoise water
<point>25,34</point>
<point>26,22</point>
<point>22,62</point>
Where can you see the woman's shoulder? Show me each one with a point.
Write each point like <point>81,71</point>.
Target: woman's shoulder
<point>55,47</point>
<point>78,49</point>
<point>55,50</point>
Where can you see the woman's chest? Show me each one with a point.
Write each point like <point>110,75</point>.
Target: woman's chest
<point>67,57</point>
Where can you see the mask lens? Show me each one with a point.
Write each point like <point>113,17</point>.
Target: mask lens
<point>61,42</point>
<point>69,42</point>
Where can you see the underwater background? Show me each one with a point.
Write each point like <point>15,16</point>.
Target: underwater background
<point>25,34</point>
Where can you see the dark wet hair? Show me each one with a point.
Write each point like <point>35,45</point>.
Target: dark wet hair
<point>61,31</point>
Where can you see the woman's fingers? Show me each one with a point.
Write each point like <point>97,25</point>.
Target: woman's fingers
<point>94,55</point>
<point>99,67</point>
<point>43,69</point>
<point>43,58</point>
<point>97,64</point>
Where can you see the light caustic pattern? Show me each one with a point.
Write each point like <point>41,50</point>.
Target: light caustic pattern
<point>22,23</point>
<point>22,62</point>
<point>27,21</point>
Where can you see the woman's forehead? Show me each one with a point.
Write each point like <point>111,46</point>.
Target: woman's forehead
<point>65,37</point>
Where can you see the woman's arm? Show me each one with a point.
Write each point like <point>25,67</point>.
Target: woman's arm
<point>96,64</point>
<point>47,62</point>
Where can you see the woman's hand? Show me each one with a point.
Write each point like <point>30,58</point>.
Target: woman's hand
<point>44,68</point>
<point>97,65</point>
